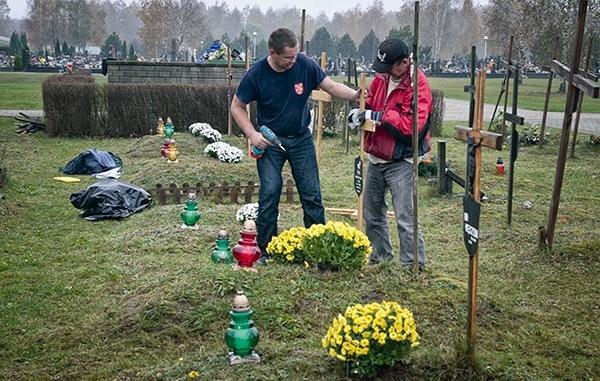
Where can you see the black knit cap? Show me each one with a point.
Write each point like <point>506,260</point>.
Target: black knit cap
<point>389,52</point>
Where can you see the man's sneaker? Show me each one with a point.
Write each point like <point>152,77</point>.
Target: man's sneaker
<point>263,260</point>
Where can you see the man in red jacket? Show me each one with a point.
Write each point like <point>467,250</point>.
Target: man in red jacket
<point>390,150</point>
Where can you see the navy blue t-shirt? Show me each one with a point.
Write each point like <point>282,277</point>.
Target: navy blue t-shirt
<point>281,98</point>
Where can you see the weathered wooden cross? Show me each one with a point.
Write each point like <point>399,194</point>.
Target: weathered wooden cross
<point>475,138</point>
<point>514,119</point>
<point>583,82</point>
<point>577,83</point>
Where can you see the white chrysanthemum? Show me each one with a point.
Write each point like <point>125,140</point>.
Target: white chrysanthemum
<point>224,152</point>
<point>247,212</point>
<point>196,128</point>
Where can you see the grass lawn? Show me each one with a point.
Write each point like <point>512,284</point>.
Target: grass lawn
<point>139,299</point>
<point>22,91</point>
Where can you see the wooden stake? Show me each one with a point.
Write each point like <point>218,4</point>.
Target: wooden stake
<point>361,155</point>
<point>229,77</point>
<point>580,103</point>
<point>302,31</point>
<point>472,292</point>
<point>547,102</point>
<point>415,141</point>
<point>320,96</point>
<point>247,50</point>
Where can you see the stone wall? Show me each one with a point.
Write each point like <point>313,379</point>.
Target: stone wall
<point>173,72</point>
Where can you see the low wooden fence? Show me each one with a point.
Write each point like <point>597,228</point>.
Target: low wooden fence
<point>220,194</point>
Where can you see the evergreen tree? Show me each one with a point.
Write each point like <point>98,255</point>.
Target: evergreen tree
<point>18,64</point>
<point>57,49</point>
<point>124,50</point>
<point>65,48</point>
<point>405,34</point>
<point>321,42</point>
<point>113,40</point>
<point>25,56</point>
<point>131,56</point>
<point>368,47</point>
<point>24,40</point>
<point>346,47</point>
<point>15,43</point>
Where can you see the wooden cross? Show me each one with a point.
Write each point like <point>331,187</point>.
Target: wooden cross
<point>581,82</point>
<point>367,125</point>
<point>476,138</point>
<point>320,96</point>
<point>577,82</point>
<point>514,119</point>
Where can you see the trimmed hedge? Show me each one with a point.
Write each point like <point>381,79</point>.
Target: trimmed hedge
<point>75,106</point>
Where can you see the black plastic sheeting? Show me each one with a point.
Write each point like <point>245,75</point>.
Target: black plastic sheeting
<point>110,198</point>
<point>92,161</point>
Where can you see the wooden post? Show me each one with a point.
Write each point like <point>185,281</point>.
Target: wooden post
<point>507,82</point>
<point>580,100</point>
<point>472,291</point>
<point>415,140</point>
<point>229,77</point>
<point>302,31</point>
<point>320,96</point>
<point>471,88</point>
<point>247,50</point>
<point>361,156</point>
<point>548,91</point>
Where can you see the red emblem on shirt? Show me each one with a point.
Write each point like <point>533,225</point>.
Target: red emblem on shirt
<point>299,87</point>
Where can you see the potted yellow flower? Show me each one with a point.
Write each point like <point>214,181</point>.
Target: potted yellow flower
<point>334,245</point>
<point>371,336</point>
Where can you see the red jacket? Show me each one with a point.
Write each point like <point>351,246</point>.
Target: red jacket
<point>392,140</point>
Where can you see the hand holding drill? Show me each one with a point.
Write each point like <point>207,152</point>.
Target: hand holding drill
<point>268,135</point>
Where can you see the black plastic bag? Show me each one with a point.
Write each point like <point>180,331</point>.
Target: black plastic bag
<point>110,198</point>
<point>92,161</point>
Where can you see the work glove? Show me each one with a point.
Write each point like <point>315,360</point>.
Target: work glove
<point>375,116</point>
<point>353,121</point>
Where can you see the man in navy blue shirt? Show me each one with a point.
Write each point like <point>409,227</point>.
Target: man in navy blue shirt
<point>281,84</point>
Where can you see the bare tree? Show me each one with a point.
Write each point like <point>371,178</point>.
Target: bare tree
<point>154,30</point>
<point>85,23</point>
<point>5,22</point>
<point>435,20</point>
<point>46,21</point>
<point>187,22</point>
<point>469,31</point>
<point>123,20</point>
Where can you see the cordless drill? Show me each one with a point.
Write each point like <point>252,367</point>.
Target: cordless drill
<point>271,137</point>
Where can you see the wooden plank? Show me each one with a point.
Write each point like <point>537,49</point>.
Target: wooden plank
<point>489,139</point>
<point>368,125</point>
<point>320,95</point>
<point>580,81</point>
<point>514,119</point>
<point>507,65</point>
<point>561,69</point>
<point>353,213</point>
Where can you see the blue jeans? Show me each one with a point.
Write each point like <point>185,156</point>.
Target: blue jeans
<point>397,177</point>
<point>300,152</point>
